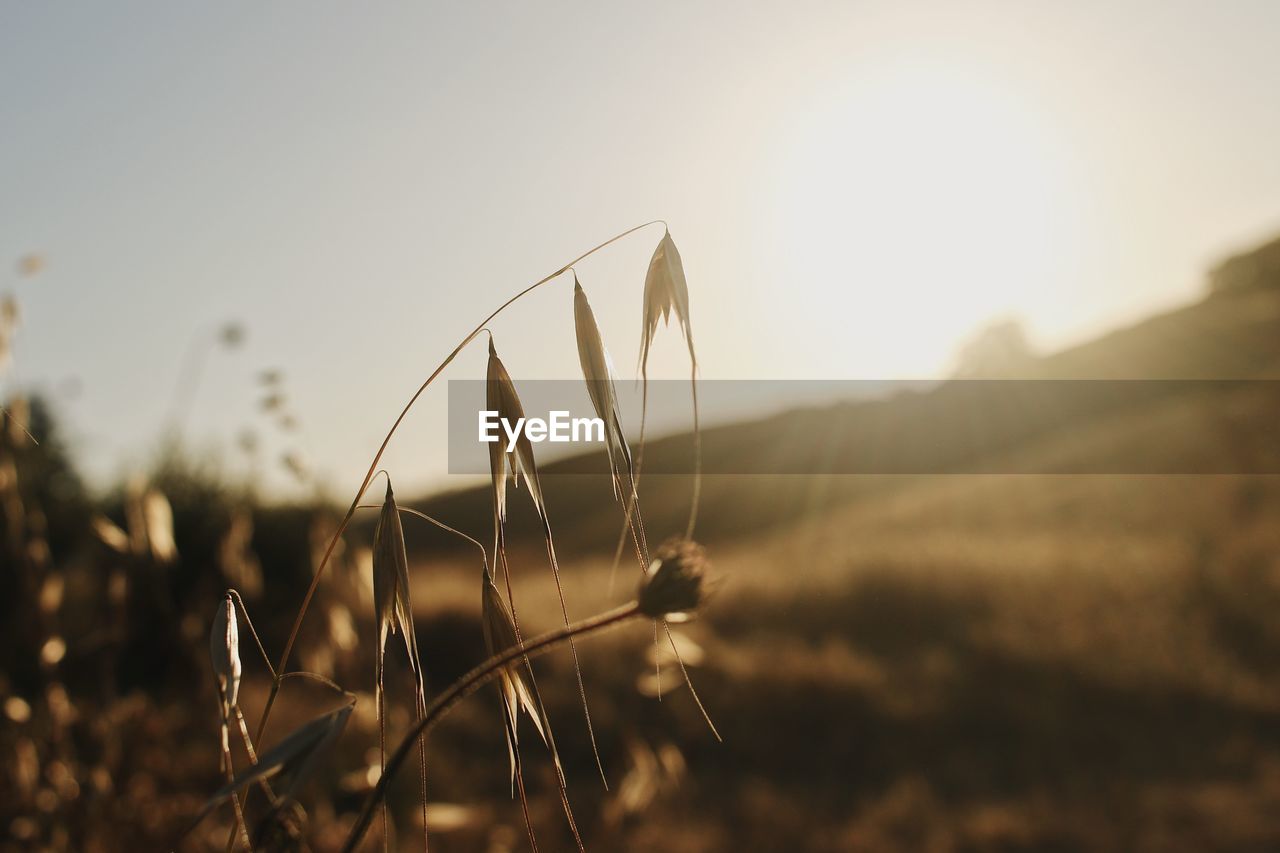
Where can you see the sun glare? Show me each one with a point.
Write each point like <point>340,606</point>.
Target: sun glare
<point>932,203</point>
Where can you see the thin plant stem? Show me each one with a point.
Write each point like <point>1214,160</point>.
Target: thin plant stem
<point>697,453</point>
<point>468,685</point>
<point>377,457</point>
<point>524,803</point>
<point>240,828</point>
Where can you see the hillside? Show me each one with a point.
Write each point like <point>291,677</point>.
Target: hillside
<point>1116,426</point>
<point>962,661</point>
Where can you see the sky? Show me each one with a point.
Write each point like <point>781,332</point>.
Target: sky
<point>855,188</point>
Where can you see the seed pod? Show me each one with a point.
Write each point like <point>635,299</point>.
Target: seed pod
<point>674,587</point>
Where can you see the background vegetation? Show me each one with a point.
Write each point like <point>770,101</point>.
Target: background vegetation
<point>939,663</point>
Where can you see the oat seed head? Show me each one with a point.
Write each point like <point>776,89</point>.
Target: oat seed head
<point>597,370</point>
<point>514,685</point>
<point>674,587</point>
<point>501,396</point>
<point>665,292</point>
<point>393,608</point>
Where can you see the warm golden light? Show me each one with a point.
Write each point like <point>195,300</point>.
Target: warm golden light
<point>933,201</point>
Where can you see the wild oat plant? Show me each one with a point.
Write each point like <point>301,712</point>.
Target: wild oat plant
<point>671,588</point>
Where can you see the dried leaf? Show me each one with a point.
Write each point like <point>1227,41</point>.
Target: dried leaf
<point>295,756</point>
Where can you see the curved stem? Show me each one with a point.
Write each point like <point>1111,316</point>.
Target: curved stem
<point>377,457</point>
<point>470,683</point>
<point>317,677</point>
<point>404,510</point>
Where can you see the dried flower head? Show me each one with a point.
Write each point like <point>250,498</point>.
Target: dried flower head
<point>674,587</point>
<point>665,292</point>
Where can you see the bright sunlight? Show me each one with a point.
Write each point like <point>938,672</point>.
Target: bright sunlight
<point>934,202</point>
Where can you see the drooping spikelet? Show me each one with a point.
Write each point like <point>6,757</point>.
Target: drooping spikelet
<point>501,396</point>
<point>597,370</point>
<point>515,682</point>
<point>393,611</point>
<point>665,292</point>
<point>519,692</point>
<point>393,608</point>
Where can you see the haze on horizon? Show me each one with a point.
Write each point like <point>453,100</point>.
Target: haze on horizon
<point>855,188</point>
